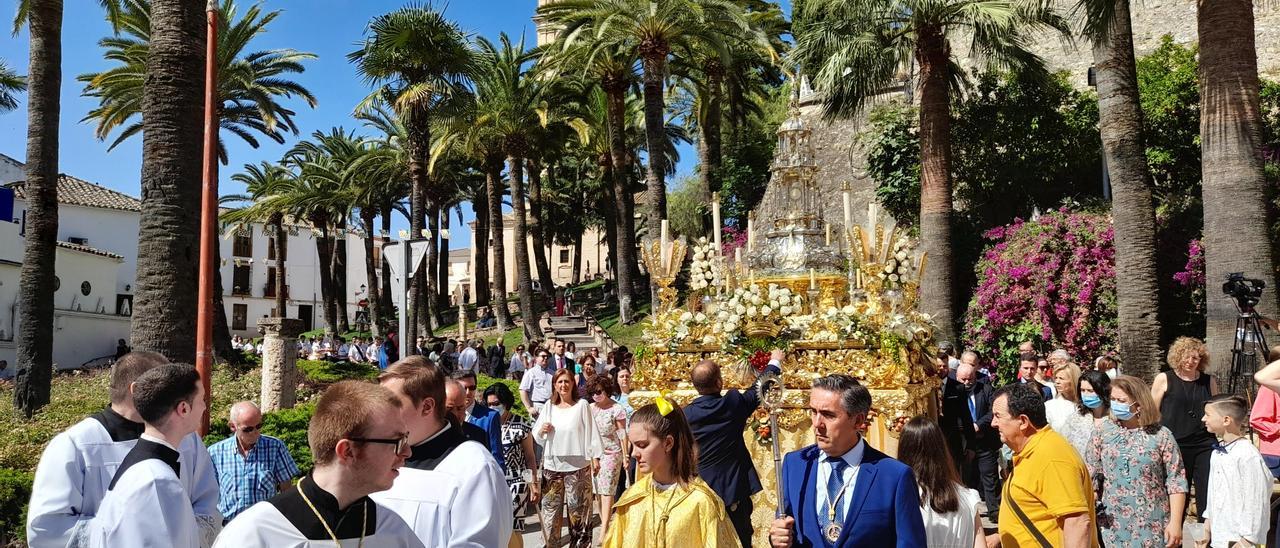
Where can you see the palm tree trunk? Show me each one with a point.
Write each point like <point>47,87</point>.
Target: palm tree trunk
<point>418,132</point>
<point>324,254</point>
<point>436,305</point>
<point>937,298</point>
<point>655,122</point>
<point>539,230</point>
<point>480,284</point>
<point>1132,209</point>
<point>625,252</point>
<point>388,306</point>
<point>282,249</point>
<point>340,278</point>
<point>610,224</point>
<point>371,273</point>
<point>711,123</point>
<point>528,306</point>
<point>35,294</point>
<point>1234,188</point>
<point>493,186</point>
<point>164,308</point>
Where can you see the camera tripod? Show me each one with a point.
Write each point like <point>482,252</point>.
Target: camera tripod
<point>1248,353</point>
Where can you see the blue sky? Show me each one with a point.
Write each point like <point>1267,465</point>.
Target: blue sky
<point>328,28</point>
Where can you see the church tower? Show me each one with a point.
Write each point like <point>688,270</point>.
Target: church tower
<point>546,32</point>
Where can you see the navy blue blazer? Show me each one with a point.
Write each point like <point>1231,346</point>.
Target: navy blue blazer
<point>883,512</point>
<point>718,423</point>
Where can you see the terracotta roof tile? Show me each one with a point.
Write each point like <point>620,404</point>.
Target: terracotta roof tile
<point>74,191</point>
<point>90,250</point>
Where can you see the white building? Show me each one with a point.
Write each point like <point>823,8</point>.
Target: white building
<point>97,260</point>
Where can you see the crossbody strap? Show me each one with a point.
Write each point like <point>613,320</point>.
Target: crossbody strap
<point>1022,516</point>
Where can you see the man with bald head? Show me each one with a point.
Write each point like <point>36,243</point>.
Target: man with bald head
<point>966,421</point>
<point>456,405</point>
<point>718,421</point>
<point>251,467</point>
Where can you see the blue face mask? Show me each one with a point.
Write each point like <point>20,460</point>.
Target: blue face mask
<point>1121,410</point>
<point>1092,401</point>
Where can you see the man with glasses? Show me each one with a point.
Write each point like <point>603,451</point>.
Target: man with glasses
<point>481,416</point>
<point>250,467</point>
<point>359,440</point>
<point>451,491</point>
<point>535,385</point>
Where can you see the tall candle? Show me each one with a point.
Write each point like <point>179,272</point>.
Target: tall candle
<point>828,233</point>
<point>664,253</point>
<point>715,219</point>
<point>751,234</point>
<point>848,209</point>
<point>813,280</point>
<point>871,214</point>
<point>737,257</point>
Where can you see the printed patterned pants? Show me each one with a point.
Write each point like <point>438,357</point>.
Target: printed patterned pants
<point>571,490</point>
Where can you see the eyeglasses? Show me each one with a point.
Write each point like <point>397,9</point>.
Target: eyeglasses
<point>401,442</point>
<point>544,356</point>
<point>250,429</point>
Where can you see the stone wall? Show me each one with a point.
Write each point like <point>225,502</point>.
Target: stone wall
<point>842,157</point>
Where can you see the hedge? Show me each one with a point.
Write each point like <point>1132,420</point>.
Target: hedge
<point>15,491</point>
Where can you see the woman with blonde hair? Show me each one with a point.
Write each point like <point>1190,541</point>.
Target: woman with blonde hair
<point>1137,471</point>
<point>1062,411</point>
<point>670,505</point>
<point>1181,393</point>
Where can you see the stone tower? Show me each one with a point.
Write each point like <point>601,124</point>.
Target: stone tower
<point>546,33</point>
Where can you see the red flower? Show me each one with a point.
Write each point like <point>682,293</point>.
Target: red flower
<point>759,360</point>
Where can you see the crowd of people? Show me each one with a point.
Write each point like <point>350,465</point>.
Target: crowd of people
<point>1063,456</point>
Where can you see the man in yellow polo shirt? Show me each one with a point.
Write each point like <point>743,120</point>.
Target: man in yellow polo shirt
<point>1048,499</point>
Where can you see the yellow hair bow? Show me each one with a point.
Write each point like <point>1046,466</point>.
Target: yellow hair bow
<point>664,405</point>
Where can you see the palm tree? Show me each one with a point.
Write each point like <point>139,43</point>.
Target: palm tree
<point>35,300</point>
<point>857,49</point>
<point>415,57</point>
<point>1133,209</point>
<point>1234,188</point>
<point>650,30</point>
<point>11,84</point>
<point>250,84</point>
<point>611,70</point>
<point>508,100</point>
<point>270,188</point>
<point>392,162</point>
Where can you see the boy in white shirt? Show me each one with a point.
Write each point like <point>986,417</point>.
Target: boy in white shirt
<point>1239,493</point>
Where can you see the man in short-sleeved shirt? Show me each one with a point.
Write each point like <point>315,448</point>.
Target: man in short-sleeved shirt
<point>1049,484</point>
<point>535,385</point>
<point>250,467</point>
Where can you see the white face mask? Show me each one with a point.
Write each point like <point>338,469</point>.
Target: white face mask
<point>501,409</point>
<point>1112,373</point>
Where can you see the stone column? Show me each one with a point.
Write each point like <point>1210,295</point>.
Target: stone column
<point>279,362</point>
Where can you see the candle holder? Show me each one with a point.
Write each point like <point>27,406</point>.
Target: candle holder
<point>663,271</point>
<point>814,294</point>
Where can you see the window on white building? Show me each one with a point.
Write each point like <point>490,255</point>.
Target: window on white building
<point>243,244</point>
<point>564,256</point>
<point>240,280</point>
<point>239,316</point>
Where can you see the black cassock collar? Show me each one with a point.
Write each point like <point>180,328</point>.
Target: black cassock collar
<point>118,427</point>
<point>345,523</point>
<point>146,450</point>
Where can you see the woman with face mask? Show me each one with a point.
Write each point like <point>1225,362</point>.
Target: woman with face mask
<point>611,422</point>
<point>517,451</point>
<point>1137,472</point>
<point>1094,388</point>
<point>669,505</point>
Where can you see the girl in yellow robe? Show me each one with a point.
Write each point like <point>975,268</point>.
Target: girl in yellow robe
<point>669,505</point>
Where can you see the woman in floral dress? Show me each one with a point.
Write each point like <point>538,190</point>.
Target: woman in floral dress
<point>611,422</point>
<point>517,451</point>
<point>1137,471</point>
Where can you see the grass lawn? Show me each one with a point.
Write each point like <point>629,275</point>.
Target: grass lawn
<point>624,335</point>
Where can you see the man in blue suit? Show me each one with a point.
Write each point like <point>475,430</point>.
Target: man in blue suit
<point>1027,364</point>
<point>840,492</point>
<point>482,416</point>
<point>718,422</point>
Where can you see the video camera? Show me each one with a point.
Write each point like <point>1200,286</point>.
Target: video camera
<point>1246,291</point>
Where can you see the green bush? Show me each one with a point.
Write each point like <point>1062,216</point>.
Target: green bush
<point>327,372</point>
<point>15,491</point>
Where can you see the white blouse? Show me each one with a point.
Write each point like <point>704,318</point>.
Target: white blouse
<point>953,529</point>
<point>574,440</point>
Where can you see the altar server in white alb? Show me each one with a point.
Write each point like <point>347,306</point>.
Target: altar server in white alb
<point>359,442</point>
<point>451,491</point>
<point>77,466</point>
<point>146,504</point>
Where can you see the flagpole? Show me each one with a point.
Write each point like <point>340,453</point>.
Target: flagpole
<point>209,214</point>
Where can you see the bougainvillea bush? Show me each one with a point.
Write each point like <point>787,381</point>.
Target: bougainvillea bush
<point>1050,280</point>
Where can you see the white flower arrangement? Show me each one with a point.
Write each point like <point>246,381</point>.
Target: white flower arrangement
<point>754,304</point>
<point>897,269</point>
<point>705,269</point>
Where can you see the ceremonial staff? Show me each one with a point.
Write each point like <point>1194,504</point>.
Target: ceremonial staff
<point>771,388</point>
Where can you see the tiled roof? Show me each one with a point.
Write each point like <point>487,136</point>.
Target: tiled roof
<point>73,191</point>
<point>90,250</point>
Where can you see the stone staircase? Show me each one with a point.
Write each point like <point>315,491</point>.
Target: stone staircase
<point>581,332</point>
